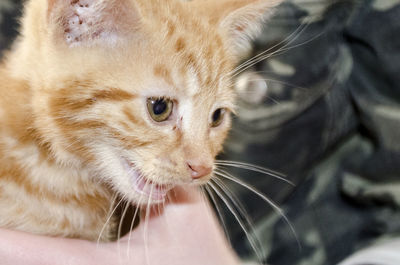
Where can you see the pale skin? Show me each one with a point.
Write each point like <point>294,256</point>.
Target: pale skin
<point>185,232</point>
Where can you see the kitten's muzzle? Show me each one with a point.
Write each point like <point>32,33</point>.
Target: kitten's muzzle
<point>145,187</point>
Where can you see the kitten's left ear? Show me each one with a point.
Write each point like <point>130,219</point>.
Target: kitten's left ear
<point>89,22</point>
<point>241,20</point>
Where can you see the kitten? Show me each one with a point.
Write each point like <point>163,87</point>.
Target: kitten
<point>105,97</point>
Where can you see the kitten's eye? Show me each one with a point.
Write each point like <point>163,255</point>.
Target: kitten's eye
<point>218,117</point>
<point>159,108</point>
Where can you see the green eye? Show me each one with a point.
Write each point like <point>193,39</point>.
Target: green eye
<point>159,108</point>
<point>218,117</point>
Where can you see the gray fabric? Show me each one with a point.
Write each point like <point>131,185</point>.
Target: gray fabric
<point>386,253</point>
<point>10,11</point>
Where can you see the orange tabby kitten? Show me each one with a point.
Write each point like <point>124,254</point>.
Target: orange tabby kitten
<point>99,97</point>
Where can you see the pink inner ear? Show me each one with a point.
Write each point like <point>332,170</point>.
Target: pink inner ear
<point>89,22</point>
<point>83,23</point>
<point>93,22</point>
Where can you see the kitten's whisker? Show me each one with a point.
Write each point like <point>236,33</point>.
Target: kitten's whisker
<point>269,171</point>
<point>249,61</point>
<point>219,211</point>
<point>254,168</point>
<point>113,199</point>
<point>140,178</point>
<point>261,78</point>
<point>280,51</point>
<point>274,100</point>
<point>251,240</point>
<point>108,220</point>
<point>285,42</point>
<point>269,80</point>
<point>242,211</point>
<point>132,223</point>
<point>146,225</point>
<point>274,206</point>
<point>276,81</point>
<point>120,226</point>
<point>235,200</point>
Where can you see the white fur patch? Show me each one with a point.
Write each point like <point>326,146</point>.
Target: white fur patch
<point>193,86</point>
<point>185,112</point>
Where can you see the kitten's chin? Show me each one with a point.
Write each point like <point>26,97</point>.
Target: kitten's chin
<point>146,190</point>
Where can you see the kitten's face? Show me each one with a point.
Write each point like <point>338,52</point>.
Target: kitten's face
<point>146,123</point>
<point>142,95</point>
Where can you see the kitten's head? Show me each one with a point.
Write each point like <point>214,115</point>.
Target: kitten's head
<point>137,91</point>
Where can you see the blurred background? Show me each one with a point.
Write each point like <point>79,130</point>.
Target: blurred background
<point>319,103</point>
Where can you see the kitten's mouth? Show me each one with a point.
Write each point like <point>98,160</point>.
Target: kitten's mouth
<point>149,191</point>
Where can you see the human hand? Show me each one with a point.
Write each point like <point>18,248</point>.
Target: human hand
<point>184,232</point>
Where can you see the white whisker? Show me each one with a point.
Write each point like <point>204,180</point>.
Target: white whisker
<point>238,219</point>
<point>289,39</point>
<point>275,81</point>
<point>242,211</point>
<point>235,200</point>
<point>107,221</point>
<point>254,168</point>
<point>276,208</point>
<point>219,211</point>
<point>280,51</point>
<point>146,225</point>
<point>165,218</point>
<point>132,223</point>
<point>120,226</point>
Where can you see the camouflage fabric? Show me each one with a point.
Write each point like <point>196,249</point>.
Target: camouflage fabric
<point>330,120</point>
<point>327,116</point>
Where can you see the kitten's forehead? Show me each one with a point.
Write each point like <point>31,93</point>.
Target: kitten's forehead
<point>192,66</point>
<point>193,49</point>
<point>177,80</point>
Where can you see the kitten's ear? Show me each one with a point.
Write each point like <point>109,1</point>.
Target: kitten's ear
<point>241,19</point>
<point>89,22</point>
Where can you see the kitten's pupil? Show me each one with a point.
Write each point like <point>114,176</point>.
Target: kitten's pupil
<point>218,117</point>
<point>159,108</point>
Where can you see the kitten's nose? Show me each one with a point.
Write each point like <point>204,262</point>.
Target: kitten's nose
<point>199,171</point>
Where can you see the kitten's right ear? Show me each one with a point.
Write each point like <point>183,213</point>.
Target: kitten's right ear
<point>241,20</point>
<point>92,22</point>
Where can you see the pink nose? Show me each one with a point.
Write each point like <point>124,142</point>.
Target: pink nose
<point>199,171</point>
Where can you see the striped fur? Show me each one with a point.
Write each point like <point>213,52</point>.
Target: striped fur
<point>73,104</point>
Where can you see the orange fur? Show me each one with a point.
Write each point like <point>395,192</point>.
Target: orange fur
<point>73,104</point>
